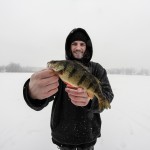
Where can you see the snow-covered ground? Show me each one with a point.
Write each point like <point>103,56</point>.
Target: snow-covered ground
<point>124,127</point>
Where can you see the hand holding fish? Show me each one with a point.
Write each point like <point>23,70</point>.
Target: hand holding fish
<point>78,96</point>
<point>77,75</point>
<point>43,84</point>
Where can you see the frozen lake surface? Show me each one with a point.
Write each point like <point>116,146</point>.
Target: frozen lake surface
<point>124,127</point>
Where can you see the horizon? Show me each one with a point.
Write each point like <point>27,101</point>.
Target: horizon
<point>15,67</point>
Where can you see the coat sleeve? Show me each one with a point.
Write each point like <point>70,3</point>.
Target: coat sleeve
<point>101,74</point>
<point>34,103</point>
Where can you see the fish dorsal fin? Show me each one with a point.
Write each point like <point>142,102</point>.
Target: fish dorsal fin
<point>79,63</point>
<point>98,81</point>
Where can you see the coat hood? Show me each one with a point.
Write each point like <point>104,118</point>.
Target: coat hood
<point>79,34</point>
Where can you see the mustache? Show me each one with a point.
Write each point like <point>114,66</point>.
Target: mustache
<point>78,51</point>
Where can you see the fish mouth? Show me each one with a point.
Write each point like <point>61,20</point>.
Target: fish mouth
<point>49,65</point>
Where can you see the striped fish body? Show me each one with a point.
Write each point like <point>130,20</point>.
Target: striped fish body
<point>77,75</point>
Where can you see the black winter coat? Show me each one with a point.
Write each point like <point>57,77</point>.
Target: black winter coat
<point>72,125</point>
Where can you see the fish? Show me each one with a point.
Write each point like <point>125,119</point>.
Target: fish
<point>77,75</point>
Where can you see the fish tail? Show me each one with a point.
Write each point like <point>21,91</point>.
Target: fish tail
<point>103,104</point>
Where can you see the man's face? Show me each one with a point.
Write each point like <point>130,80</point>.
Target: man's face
<point>78,48</point>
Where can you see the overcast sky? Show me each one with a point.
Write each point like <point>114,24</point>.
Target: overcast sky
<point>33,32</point>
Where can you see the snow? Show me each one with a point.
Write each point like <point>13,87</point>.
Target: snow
<point>126,126</point>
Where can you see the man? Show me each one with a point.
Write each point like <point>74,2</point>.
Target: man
<point>75,118</point>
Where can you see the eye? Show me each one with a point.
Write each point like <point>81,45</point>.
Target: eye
<point>83,44</point>
<point>74,44</point>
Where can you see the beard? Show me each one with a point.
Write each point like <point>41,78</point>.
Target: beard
<point>84,58</point>
<point>78,54</point>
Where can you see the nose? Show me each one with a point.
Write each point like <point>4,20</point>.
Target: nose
<point>78,47</point>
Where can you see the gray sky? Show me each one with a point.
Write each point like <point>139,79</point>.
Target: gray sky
<point>33,32</point>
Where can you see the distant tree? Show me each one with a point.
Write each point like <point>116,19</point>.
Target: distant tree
<point>144,72</point>
<point>13,67</point>
<point>2,68</point>
<point>128,71</point>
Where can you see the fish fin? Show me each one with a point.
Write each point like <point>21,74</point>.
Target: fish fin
<point>70,85</point>
<point>90,95</point>
<point>98,81</point>
<point>79,63</point>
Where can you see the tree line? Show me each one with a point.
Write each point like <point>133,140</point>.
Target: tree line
<point>15,67</point>
<point>129,71</point>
